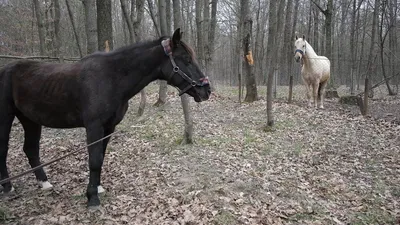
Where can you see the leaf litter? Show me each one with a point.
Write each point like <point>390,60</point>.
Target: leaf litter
<point>329,166</point>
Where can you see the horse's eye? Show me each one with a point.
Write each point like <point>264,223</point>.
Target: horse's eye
<point>304,46</point>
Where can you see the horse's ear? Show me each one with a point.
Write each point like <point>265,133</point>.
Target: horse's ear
<point>304,37</point>
<point>176,37</point>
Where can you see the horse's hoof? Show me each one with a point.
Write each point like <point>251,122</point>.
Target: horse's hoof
<point>94,208</point>
<point>100,189</point>
<point>8,190</point>
<point>45,185</point>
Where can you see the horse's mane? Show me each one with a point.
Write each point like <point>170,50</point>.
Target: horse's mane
<point>310,50</point>
<point>141,46</point>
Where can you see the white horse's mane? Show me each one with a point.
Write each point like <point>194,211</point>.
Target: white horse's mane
<point>309,50</point>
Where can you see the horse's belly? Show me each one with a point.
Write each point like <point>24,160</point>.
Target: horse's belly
<point>53,116</point>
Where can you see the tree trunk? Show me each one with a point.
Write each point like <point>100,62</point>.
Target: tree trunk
<point>71,18</point>
<point>139,19</point>
<point>39,20</point>
<point>57,17</point>
<point>200,41</point>
<point>128,21</point>
<point>104,24</point>
<point>382,38</point>
<point>287,58</point>
<point>273,50</point>
<point>247,23</point>
<point>393,61</point>
<point>153,16</point>
<point>162,92</point>
<point>373,39</point>
<point>188,131</point>
<point>90,25</point>
<point>295,15</point>
<point>328,13</point>
<point>315,43</point>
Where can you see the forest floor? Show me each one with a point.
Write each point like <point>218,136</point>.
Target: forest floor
<point>328,166</point>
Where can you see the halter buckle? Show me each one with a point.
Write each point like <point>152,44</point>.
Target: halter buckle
<point>175,69</point>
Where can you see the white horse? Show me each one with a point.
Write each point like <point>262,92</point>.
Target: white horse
<point>315,70</point>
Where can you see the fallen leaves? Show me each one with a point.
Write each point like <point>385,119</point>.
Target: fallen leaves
<point>327,166</point>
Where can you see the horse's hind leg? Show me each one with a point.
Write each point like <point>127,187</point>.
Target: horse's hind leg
<point>321,93</point>
<point>6,119</point>
<point>31,148</point>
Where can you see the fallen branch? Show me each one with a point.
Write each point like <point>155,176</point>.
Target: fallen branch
<point>378,84</point>
<point>38,57</point>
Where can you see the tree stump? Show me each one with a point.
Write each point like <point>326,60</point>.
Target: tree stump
<point>332,93</point>
<point>350,100</point>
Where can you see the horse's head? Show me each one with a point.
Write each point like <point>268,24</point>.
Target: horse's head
<point>300,46</point>
<point>182,71</point>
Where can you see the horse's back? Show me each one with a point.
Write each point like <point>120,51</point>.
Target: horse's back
<point>46,93</point>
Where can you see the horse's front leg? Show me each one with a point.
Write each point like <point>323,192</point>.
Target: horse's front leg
<point>94,132</point>
<point>308,90</point>
<point>107,131</point>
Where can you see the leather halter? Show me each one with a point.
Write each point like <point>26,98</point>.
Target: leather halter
<point>175,69</point>
<point>301,51</point>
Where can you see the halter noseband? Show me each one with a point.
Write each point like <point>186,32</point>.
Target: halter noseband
<point>175,69</point>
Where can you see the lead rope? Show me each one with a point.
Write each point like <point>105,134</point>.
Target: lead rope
<point>54,160</point>
<point>71,153</point>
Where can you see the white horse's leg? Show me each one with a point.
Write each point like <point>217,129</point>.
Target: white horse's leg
<point>315,93</point>
<point>308,93</point>
<point>322,93</point>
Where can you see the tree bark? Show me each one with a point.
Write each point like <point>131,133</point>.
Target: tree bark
<point>273,50</point>
<point>39,21</point>
<point>162,92</point>
<point>247,23</point>
<point>90,25</point>
<point>71,18</point>
<point>153,16</point>
<point>295,15</point>
<point>328,13</point>
<point>104,24</point>
<point>382,38</point>
<point>188,130</point>
<point>57,17</point>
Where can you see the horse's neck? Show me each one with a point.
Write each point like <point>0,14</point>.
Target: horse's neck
<point>139,69</point>
<point>310,53</point>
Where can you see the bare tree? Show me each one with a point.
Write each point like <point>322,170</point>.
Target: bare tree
<point>272,27</point>
<point>328,13</point>
<point>71,18</point>
<point>104,24</point>
<point>134,22</point>
<point>39,21</point>
<point>90,25</point>
<point>188,131</point>
<point>247,24</point>
<point>162,11</point>
<point>57,17</point>
<point>383,32</point>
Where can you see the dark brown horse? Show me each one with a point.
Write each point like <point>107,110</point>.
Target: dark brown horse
<point>92,93</point>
